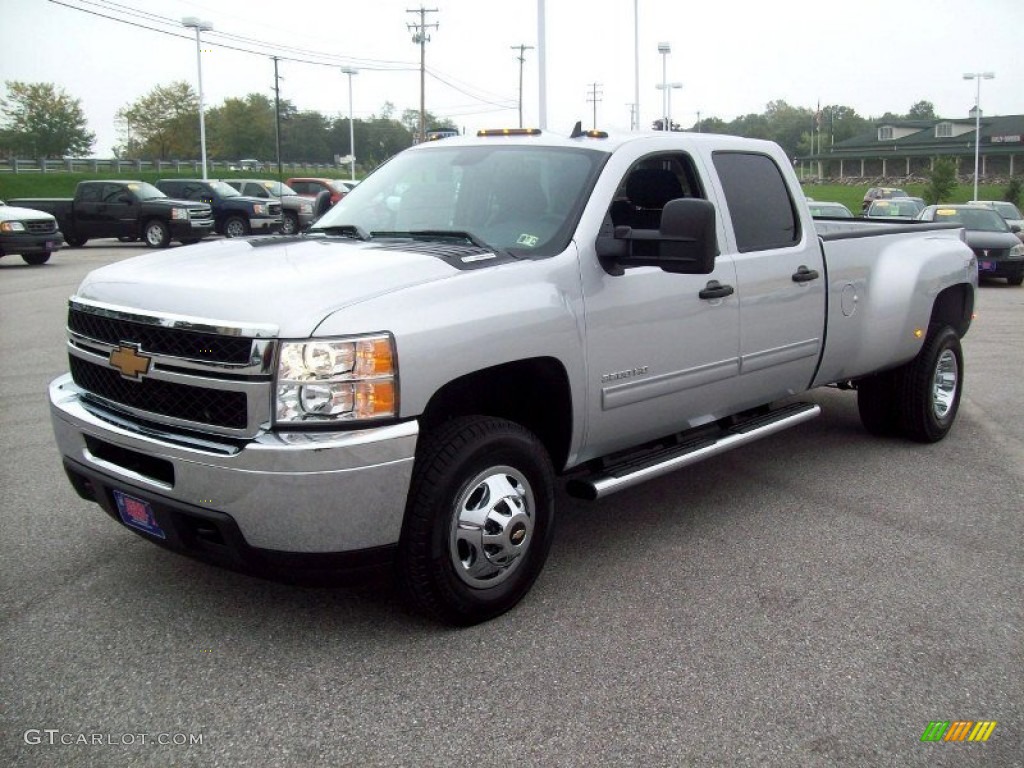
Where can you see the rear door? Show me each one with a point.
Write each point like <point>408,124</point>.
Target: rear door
<point>780,274</point>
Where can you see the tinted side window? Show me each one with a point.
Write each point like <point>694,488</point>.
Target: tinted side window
<point>763,214</point>
<point>90,193</point>
<point>112,193</point>
<point>171,189</point>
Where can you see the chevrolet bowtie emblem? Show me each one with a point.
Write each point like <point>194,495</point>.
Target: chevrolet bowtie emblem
<point>129,362</point>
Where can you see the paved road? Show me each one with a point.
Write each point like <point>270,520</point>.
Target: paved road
<point>812,600</point>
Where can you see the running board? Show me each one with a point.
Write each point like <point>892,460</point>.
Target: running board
<point>638,470</point>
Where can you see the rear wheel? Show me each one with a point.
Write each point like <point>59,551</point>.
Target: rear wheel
<point>1018,280</point>
<point>36,258</point>
<point>876,403</point>
<point>479,520</point>
<point>930,385</point>
<point>75,241</point>
<point>156,234</point>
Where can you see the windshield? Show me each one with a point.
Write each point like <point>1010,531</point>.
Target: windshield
<point>518,198</point>
<point>223,189</point>
<point>145,191</point>
<point>979,219</point>
<point>278,188</point>
<point>1007,210</point>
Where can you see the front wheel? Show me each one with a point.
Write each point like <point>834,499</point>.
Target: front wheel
<point>1018,280</point>
<point>479,519</point>
<point>235,227</point>
<point>36,258</point>
<point>156,234</point>
<point>930,385</point>
<point>289,224</point>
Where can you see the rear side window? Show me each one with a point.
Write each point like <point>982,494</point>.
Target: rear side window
<point>90,193</point>
<point>763,213</point>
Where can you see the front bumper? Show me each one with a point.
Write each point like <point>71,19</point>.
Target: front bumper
<point>28,242</point>
<point>1010,268</point>
<point>265,223</point>
<point>192,229</point>
<point>289,493</point>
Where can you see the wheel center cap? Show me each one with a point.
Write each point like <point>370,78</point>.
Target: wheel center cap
<point>517,534</point>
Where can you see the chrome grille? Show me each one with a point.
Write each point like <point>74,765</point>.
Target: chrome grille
<point>201,373</point>
<point>221,408</point>
<point>164,341</point>
<point>40,227</point>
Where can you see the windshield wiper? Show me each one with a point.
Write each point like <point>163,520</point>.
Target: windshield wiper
<point>349,230</point>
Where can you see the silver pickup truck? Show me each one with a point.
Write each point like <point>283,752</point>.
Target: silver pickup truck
<point>479,319</point>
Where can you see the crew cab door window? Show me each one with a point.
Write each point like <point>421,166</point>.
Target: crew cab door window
<point>762,211</point>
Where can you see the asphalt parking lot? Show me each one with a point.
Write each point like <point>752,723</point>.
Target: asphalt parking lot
<point>815,599</point>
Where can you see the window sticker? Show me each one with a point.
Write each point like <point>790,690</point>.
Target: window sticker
<point>530,241</point>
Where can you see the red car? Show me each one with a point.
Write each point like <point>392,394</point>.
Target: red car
<point>311,187</point>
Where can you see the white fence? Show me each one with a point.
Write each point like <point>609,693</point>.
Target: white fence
<point>115,166</point>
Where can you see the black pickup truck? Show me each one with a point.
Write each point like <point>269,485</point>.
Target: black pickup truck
<point>234,214</point>
<point>127,210</point>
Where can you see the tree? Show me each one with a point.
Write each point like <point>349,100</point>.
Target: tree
<point>921,110</point>
<point>1012,193</point>
<point>162,125</point>
<point>304,138</point>
<point>243,128</point>
<point>941,181</point>
<point>41,120</point>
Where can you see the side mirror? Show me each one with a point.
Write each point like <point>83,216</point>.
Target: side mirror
<point>686,242</point>
<point>1014,228</point>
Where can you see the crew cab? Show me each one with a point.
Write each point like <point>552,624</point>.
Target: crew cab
<point>125,209</point>
<point>32,234</point>
<point>234,214</point>
<point>296,209</point>
<point>480,319</point>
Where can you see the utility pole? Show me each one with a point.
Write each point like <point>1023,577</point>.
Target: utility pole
<point>522,59</point>
<point>594,97</point>
<point>420,36</point>
<point>277,121</point>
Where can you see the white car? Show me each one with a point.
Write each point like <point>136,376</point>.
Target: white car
<point>28,232</point>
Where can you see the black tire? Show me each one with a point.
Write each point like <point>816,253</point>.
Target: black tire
<point>190,241</point>
<point>878,405</point>
<point>75,241</point>
<point>236,227</point>
<point>1018,280</point>
<point>127,239</point>
<point>930,385</point>
<point>289,223</point>
<point>36,259</point>
<point>156,234</point>
<point>468,573</point>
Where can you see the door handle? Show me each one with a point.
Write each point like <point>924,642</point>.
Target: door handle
<point>803,274</point>
<point>715,290</point>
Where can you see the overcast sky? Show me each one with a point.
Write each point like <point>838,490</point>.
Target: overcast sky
<point>731,56</point>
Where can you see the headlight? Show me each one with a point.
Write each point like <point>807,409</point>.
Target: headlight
<point>336,380</point>
<point>179,213</point>
<point>259,209</point>
<point>1017,250</point>
<point>12,226</point>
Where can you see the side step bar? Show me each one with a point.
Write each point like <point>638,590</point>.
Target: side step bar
<point>637,470</point>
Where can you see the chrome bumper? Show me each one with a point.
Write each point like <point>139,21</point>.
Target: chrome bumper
<point>304,492</point>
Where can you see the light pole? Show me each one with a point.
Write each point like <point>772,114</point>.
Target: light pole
<point>664,49</point>
<point>668,88</point>
<point>351,125</point>
<point>199,25</point>
<point>978,77</point>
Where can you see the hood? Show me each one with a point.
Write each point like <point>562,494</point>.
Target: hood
<point>293,283</point>
<point>978,239</point>
<point>173,202</point>
<point>13,213</point>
